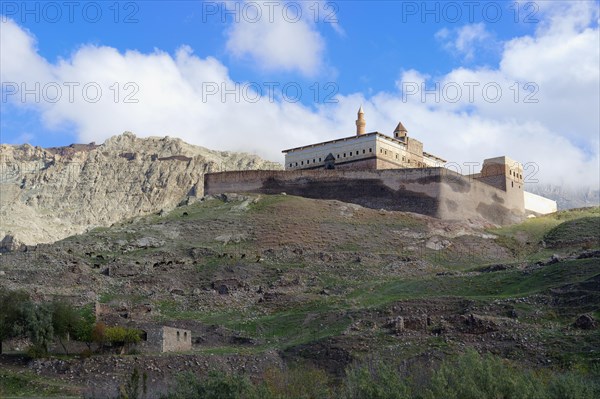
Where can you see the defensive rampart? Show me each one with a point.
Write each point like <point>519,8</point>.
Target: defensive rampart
<point>436,192</point>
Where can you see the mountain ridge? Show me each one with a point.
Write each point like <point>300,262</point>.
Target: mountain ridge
<point>52,193</point>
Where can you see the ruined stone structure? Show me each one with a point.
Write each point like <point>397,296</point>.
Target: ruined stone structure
<point>378,171</point>
<point>165,339</point>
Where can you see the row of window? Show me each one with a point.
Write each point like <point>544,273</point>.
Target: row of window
<point>404,159</point>
<point>184,336</point>
<point>515,174</point>
<point>351,153</point>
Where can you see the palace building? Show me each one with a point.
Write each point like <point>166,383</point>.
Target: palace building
<point>372,150</point>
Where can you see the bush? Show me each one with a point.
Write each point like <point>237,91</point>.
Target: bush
<point>374,379</point>
<point>301,382</point>
<point>36,352</point>
<point>121,335</point>
<point>216,386</point>
<point>480,377</point>
<point>468,376</point>
<point>572,386</point>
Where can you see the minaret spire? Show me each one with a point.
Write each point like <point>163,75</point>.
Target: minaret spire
<point>360,122</point>
<point>400,131</point>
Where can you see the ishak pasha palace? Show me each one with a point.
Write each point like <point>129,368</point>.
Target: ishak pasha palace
<point>392,172</point>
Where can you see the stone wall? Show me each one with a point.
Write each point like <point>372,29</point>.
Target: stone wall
<point>435,192</point>
<point>538,205</point>
<point>176,339</point>
<point>158,339</point>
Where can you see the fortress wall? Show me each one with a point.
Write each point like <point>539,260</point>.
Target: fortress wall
<point>537,205</point>
<point>435,192</point>
<point>463,197</point>
<point>412,190</point>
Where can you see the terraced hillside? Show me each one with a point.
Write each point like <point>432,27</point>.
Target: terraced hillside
<point>263,281</point>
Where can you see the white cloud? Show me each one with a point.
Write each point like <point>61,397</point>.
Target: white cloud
<point>558,134</point>
<point>466,40</point>
<point>283,38</point>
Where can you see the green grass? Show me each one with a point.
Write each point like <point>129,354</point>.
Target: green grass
<point>585,230</point>
<point>534,229</point>
<point>267,201</point>
<point>511,283</point>
<point>27,384</point>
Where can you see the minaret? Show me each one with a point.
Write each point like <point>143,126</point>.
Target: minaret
<point>400,132</point>
<point>360,122</point>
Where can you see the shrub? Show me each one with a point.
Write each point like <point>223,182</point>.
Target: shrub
<point>374,379</point>
<point>216,385</point>
<point>572,386</point>
<point>301,382</point>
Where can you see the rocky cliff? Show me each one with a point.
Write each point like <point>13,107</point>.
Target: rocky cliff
<point>47,194</point>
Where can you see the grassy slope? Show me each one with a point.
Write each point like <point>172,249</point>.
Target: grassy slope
<point>277,222</point>
<point>395,266</point>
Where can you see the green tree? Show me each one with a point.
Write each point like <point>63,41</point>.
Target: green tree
<point>39,326</point>
<point>132,388</point>
<point>122,336</point>
<point>85,327</point>
<point>65,322</point>
<point>13,322</point>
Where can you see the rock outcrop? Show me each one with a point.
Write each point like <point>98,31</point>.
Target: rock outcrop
<point>47,194</point>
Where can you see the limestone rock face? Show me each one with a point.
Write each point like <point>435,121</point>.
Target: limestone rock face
<point>47,194</point>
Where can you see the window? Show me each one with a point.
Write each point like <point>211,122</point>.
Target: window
<point>370,150</point>
<point>344,155</point>
<point>385,152</point>
<point>185,336</point>
<point>338,155</point>
<point>296,163</point>
<point>381,150</point>
<point>177,335</point>
<point>396,156</point>
<point>290,165</point>
<point>314,161</point>
<point>363,151</point>
<point>302,163</point>
<point>319,159</point>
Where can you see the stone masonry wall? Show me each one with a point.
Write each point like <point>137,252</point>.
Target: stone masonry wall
<point>176,340</point>
<point>435,192</point>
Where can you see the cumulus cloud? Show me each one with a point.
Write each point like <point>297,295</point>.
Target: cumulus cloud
<point>556,137</point>
<point>466,40</point>
<point>278,36</point>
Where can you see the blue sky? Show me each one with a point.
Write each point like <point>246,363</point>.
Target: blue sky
<point>361,52</point>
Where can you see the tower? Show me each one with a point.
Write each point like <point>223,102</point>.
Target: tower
<point>400,132</point>
<point>360,122</point>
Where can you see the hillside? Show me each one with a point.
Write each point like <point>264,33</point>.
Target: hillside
<point>266,280</point>
<point>52,193</point>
